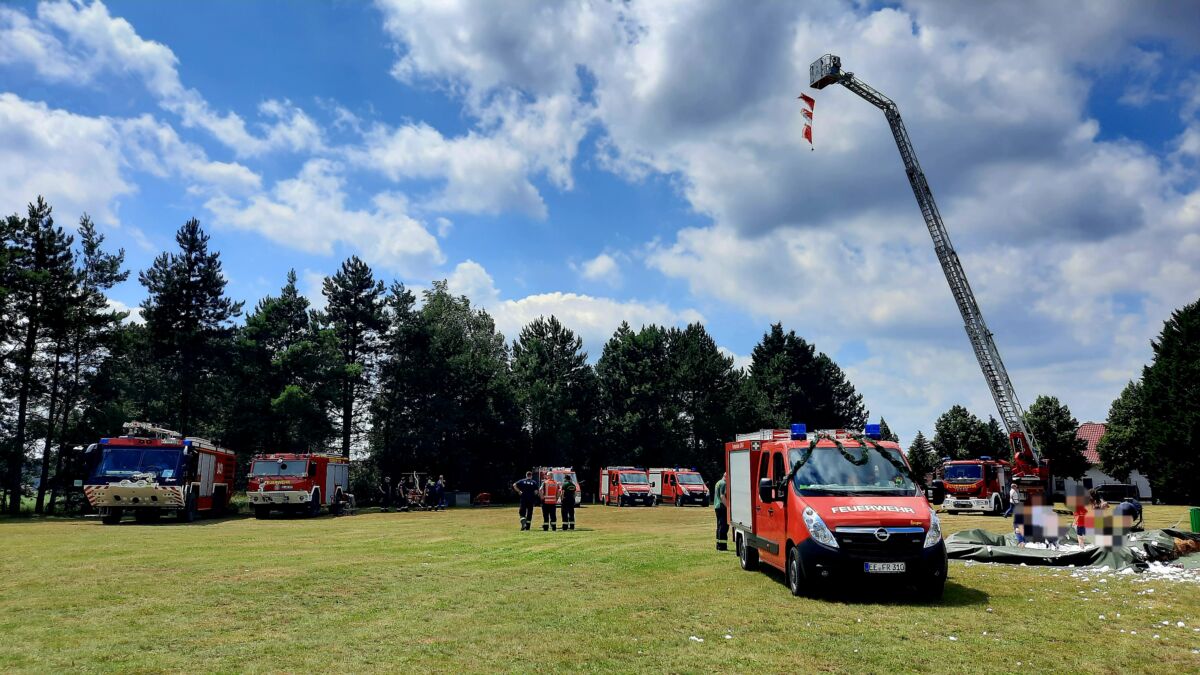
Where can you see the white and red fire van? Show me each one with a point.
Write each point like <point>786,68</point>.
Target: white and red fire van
<point>832,507</point>
<point>625,486</point>
<point>151,471</point>
<point>678,486</point>
<point>558,474</point>
<point>298,482</point>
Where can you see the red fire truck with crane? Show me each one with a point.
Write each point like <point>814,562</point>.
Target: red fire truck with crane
<point>625,486</point>
<point>832,506</point>
<point>298,482</point>
<point>975,484</point>
<point>1030,471</point>
<point>150,471</point>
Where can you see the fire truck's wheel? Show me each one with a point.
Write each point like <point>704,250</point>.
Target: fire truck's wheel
<point>112,517</point>
<point>188,513</point>
<point>704,503</point>
<point>795,578</point>
<point>314,504</point>
<point>933,589</point>
<point>747,555</point>
<point>262,512</point>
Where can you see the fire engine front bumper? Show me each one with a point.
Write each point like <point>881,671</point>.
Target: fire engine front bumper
<point>279,497</point>
<point>953,503</point>
<point>134,495</point>
<point>638,498</point>
<point>693,497</point>
<point>820,564</point>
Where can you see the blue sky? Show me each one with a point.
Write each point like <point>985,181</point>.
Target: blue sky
<point>643,161</point>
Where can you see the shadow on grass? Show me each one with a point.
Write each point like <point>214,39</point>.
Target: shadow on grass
<point>881,593</point>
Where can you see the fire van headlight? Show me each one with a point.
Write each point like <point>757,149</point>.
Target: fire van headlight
<point>934,535</point>
<point>817,528</point>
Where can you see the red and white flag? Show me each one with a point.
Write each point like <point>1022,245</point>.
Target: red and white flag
<point>810,103</point>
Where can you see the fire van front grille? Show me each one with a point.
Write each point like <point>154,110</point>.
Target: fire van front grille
<point>866,545</point>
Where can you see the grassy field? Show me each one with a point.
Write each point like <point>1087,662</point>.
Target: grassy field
<point>466,591</point>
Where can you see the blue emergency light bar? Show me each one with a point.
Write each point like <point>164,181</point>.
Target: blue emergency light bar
<point>872,431</point>
<point>799,432</point>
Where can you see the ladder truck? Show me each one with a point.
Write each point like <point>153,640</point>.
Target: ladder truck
<point>1031,472</point>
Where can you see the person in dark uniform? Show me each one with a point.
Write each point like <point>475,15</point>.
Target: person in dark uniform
<point>722,513</point>
<point>548,493</point>
<point>439,493</point>
<point>527,488</point>
<point>566,494</point>
<point>388,493</point>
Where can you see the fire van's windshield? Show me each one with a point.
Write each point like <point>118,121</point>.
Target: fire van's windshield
<point>125,462</point>
<point>689,479</point>
<point>854,472</point>
<point>634,478</point>
<point>274,467</point>
<point>963,473</point>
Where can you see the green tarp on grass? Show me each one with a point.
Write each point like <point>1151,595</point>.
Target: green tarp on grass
<point>1137,549</point>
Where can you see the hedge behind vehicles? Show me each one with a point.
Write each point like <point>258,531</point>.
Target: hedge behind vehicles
<point>297,482</point>
<point>832,509</point>
<point>625,486</point>
<point>678,486</point>
<point>975,485</point>
<point>151,471</point>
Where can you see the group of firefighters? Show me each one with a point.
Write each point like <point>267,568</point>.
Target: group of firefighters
<point>410,495</point>
<point>550,494</point>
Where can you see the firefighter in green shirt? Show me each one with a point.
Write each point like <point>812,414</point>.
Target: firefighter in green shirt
<point>566,496</point>
<point>722,513</point>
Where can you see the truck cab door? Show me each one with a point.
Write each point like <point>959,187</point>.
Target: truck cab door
<point>772,517</point>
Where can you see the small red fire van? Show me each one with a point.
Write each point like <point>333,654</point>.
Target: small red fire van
<point>625,486</point>
<point>678,487</point>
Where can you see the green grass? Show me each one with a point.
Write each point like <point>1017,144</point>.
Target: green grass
<point>465,591</point>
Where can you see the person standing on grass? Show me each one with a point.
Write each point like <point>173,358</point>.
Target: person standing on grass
<point>387,493</point>
<point>439,491</point>
<point>548,492</point>
<point>1013,497</point>
<point>566,495</point>
<point>527,489</point>
<point>722,513</point>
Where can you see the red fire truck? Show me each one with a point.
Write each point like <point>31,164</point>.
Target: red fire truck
<point>151,471</point>
<point>832,506</point>
<point>557,474</point>
<point>298,482</point>
<point>625,486</point>
<point>975,484</point>
<point>678,486</point>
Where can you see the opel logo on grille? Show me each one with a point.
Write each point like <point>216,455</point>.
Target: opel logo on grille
<point>882,534</point>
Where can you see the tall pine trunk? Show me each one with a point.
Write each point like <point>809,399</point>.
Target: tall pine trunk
<point>17,462</point>
<point>347,413</point>
<point>67,404</point>
<point>39,507</point>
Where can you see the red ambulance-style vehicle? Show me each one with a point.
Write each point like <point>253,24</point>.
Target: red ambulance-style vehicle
<point>678,486</point>
<point>975,485</point>
<point>558,474</point>
<point>151,471</point>
<point>832,507</point>
<point>625,486</point>
<point>297,482</point>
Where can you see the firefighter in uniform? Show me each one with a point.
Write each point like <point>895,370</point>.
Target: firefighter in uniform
<point>722,513</point>
<point>387,493</point>
<point>567,497</point>
<point>527,488</point>
<point>548,491</point>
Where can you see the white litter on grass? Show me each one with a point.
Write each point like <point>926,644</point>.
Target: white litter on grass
<point>1101,617</point>
<point>1180,624</point>
<point>728,636</point>
<point>953,639</point>
<point>696,639</point>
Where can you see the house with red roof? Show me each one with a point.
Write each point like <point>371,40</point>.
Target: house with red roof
<point>1091,433</point>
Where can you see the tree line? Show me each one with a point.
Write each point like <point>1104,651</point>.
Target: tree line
<point>398,379</point>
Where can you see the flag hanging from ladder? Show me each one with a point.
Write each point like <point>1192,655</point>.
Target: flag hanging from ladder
<point>809,104</point>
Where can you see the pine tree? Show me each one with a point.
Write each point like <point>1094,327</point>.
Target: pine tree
<point>641,417</point>
<point>704,384</point>
<point>188,319</point>
<point>801,385</point>
<point>886,432</point>
<point>1052,424</point>
<point>1121,446</point>
<point>354,312</point>
<point>556,391</point>
<point>402,429</point>
<point>922,459</point>
<point>1170,408</point>
<point>42,273</point>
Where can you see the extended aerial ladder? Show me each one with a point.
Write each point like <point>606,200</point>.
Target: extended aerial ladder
<point>1030,471</point>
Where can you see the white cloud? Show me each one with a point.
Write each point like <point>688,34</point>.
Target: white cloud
<point>135,312</point>
<point>79,42</point>
<point>309,213</point>
<point>472,280</point>
<point>603,268</point>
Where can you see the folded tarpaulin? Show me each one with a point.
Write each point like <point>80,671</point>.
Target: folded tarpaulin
<point>1137,549</point>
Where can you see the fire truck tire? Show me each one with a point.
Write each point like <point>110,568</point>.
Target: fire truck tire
<point>932,590</point>
<point>188,513</point>
<point>704,502</point>
<point>747,555</point>
<point>997,506</point>
<point>262,512</point>
<point>112,516</point>
<point>795,577</point>
<point>314,504</point>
